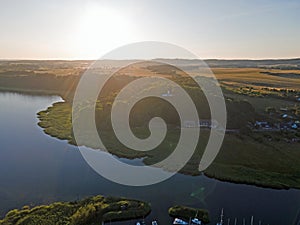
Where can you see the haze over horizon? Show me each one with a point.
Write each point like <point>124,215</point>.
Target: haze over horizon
<point>221,59</point>
<point>86,30</point>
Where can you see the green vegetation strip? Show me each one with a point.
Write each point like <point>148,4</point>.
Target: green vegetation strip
<point>90,211</point>
<point>244,158</point>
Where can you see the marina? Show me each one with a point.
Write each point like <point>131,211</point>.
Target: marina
<point>227,221</point>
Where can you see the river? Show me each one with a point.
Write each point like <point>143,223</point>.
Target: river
<point>38,169</point>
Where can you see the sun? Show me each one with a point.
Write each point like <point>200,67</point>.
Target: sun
<point>100,30</point>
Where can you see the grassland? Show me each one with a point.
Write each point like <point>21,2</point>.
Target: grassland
<point>90,211</point>
<point>257,87</point>
<point>244,158</point>
<point>257,77</point>
<point>263,159</point>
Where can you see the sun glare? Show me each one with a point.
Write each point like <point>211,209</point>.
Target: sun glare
<point>101,30</point>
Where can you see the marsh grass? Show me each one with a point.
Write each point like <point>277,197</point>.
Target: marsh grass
<point>89,211</point>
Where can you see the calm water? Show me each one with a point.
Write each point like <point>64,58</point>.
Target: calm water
<point>36,169</point>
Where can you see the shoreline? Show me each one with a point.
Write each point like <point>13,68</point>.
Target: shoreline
<point>218,170</point>
<point>210,173</point>
<point>275,186</point>
<point>86,211</point>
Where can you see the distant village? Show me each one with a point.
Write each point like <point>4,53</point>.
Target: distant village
<point>286,119</point>
<point>282,119</point>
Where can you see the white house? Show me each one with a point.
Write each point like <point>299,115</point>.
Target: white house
<point>208,123</point>
<point>189,124</point>
<point>168,94</point>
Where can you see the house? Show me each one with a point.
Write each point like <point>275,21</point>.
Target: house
<point>208,123</point>
<point>189,124</point>
<point>204,123</point>
<point>168,94</point>
<point>214,124</point>
<point>294,126</point>
<point>262,124</point>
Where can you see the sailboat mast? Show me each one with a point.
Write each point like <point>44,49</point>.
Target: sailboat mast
<point>222,214</point>
<point>222,217</point>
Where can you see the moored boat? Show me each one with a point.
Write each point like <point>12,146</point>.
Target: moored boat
<point>196,221</point>
<point>154,222</point>
<point>179,221</point>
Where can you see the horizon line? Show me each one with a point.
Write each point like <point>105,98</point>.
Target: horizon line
<point>206,59</point>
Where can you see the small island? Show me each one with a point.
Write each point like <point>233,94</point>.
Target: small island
<point>89,211</point>
<point>188,213</point>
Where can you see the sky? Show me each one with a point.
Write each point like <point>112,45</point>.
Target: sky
<point>87,29</point>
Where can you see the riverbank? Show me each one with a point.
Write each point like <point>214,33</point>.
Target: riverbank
<point>242,158</point>
<point>93,210</point>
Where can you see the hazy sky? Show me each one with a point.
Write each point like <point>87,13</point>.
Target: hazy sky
<point>78,29</point>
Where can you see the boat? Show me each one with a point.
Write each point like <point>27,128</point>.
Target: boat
<point>221,220</point>
<point>179,221</point>
<point>154,222</point>
<point>196,221</point>
<point>140,223</point>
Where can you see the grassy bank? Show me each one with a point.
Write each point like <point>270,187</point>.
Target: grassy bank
<point>90,211</point>
<point>243,158</point>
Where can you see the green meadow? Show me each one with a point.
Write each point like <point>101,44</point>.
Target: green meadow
<point>90,211</point>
